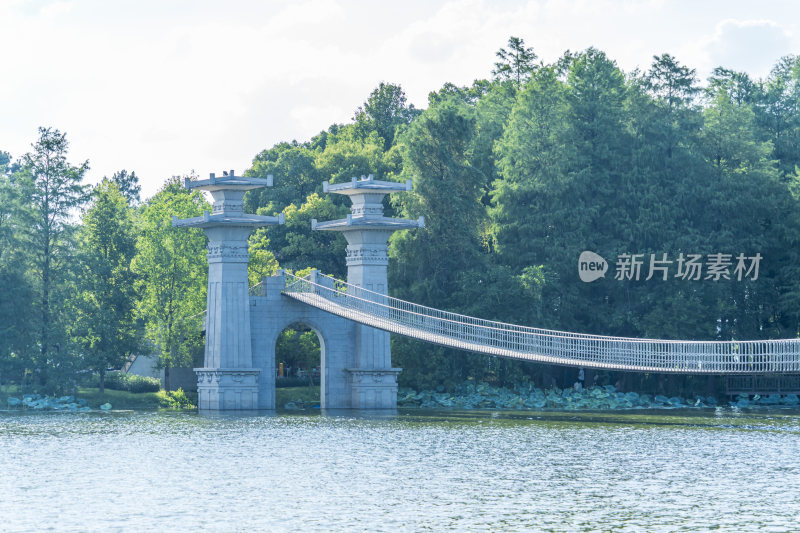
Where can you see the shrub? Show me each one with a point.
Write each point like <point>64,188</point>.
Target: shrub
<point>114,380</point>
<point>142,383</point>
<point>175,400</point>
<point>131,382</point>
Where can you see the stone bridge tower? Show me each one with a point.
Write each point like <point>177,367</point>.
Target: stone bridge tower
<point>228,379</point>
<point>374,380</point>
<point>242,328</point>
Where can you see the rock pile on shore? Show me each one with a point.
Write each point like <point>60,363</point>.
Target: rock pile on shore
<point>745,400</point>
<point>470,395</point>
<point>63,403</point>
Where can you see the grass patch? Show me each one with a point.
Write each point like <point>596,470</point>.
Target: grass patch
<point>306,395</point>
<point>120,399</point>
<point>139,400</point>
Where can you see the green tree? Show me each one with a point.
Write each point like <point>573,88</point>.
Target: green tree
<point>778,113</point>
<point>347,155</point>
<point>671,82</point>
<point>55,192</point>
<point>297,246</point>
<point>295,176</point>
<point>384,112</point>
<point>736,85</point>
<point>447,190</point>
<point>674,87</point>
<point>730,138</point>
<point>172,276</point>
<point>104,326</point>
<point>14,215</point>
<point>128,185</point>
<point>17,345</point>
<point>669,187</point>
<point>443,264</point>
<point>532,161</point>
<point>741,169</point>
<point>788,234</point>
<point>262,260</point>
<point>565,163</point>
<point>516,64</point>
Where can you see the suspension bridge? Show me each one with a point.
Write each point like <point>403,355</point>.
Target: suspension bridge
<point>542,345</point>
<point>354,318</point>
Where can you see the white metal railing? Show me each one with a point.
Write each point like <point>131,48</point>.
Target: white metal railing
<point>543,345</point>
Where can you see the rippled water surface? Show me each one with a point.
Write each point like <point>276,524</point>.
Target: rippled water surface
<point>436,471</point>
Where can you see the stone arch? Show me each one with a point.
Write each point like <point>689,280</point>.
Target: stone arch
<point>318,331</point>
<point>270,314</point>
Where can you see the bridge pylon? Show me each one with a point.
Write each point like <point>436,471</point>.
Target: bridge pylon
<point>373,380</point>
<point>228,380</point>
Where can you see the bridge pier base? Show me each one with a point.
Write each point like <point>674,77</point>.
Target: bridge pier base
<point>373,388</point>
<point>224,389</point>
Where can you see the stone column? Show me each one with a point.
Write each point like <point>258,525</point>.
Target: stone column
<point>227,380</point>
<point>373,379</point>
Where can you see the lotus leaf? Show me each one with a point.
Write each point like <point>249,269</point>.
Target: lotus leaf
<point>772,399</point>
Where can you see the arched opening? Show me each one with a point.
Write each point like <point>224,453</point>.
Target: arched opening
<point>299,372</point>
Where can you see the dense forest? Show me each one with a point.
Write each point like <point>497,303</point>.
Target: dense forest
<point>516,175</point>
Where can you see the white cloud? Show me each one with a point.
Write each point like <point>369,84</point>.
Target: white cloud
<point>750,45</point>
<point>55,9</point>
<point>744,45</point>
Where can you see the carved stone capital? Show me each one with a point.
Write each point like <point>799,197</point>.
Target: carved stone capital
<point>381,376</point>
<point>228,251</point>
<point>228,206</point>
<point>238,376</point>
<point>361,254</point>
<point>367,210</point>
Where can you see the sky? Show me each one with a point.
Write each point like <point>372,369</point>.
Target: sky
<point>167,87</point>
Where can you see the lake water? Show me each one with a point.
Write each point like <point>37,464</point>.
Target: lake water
<point>412,471</point>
